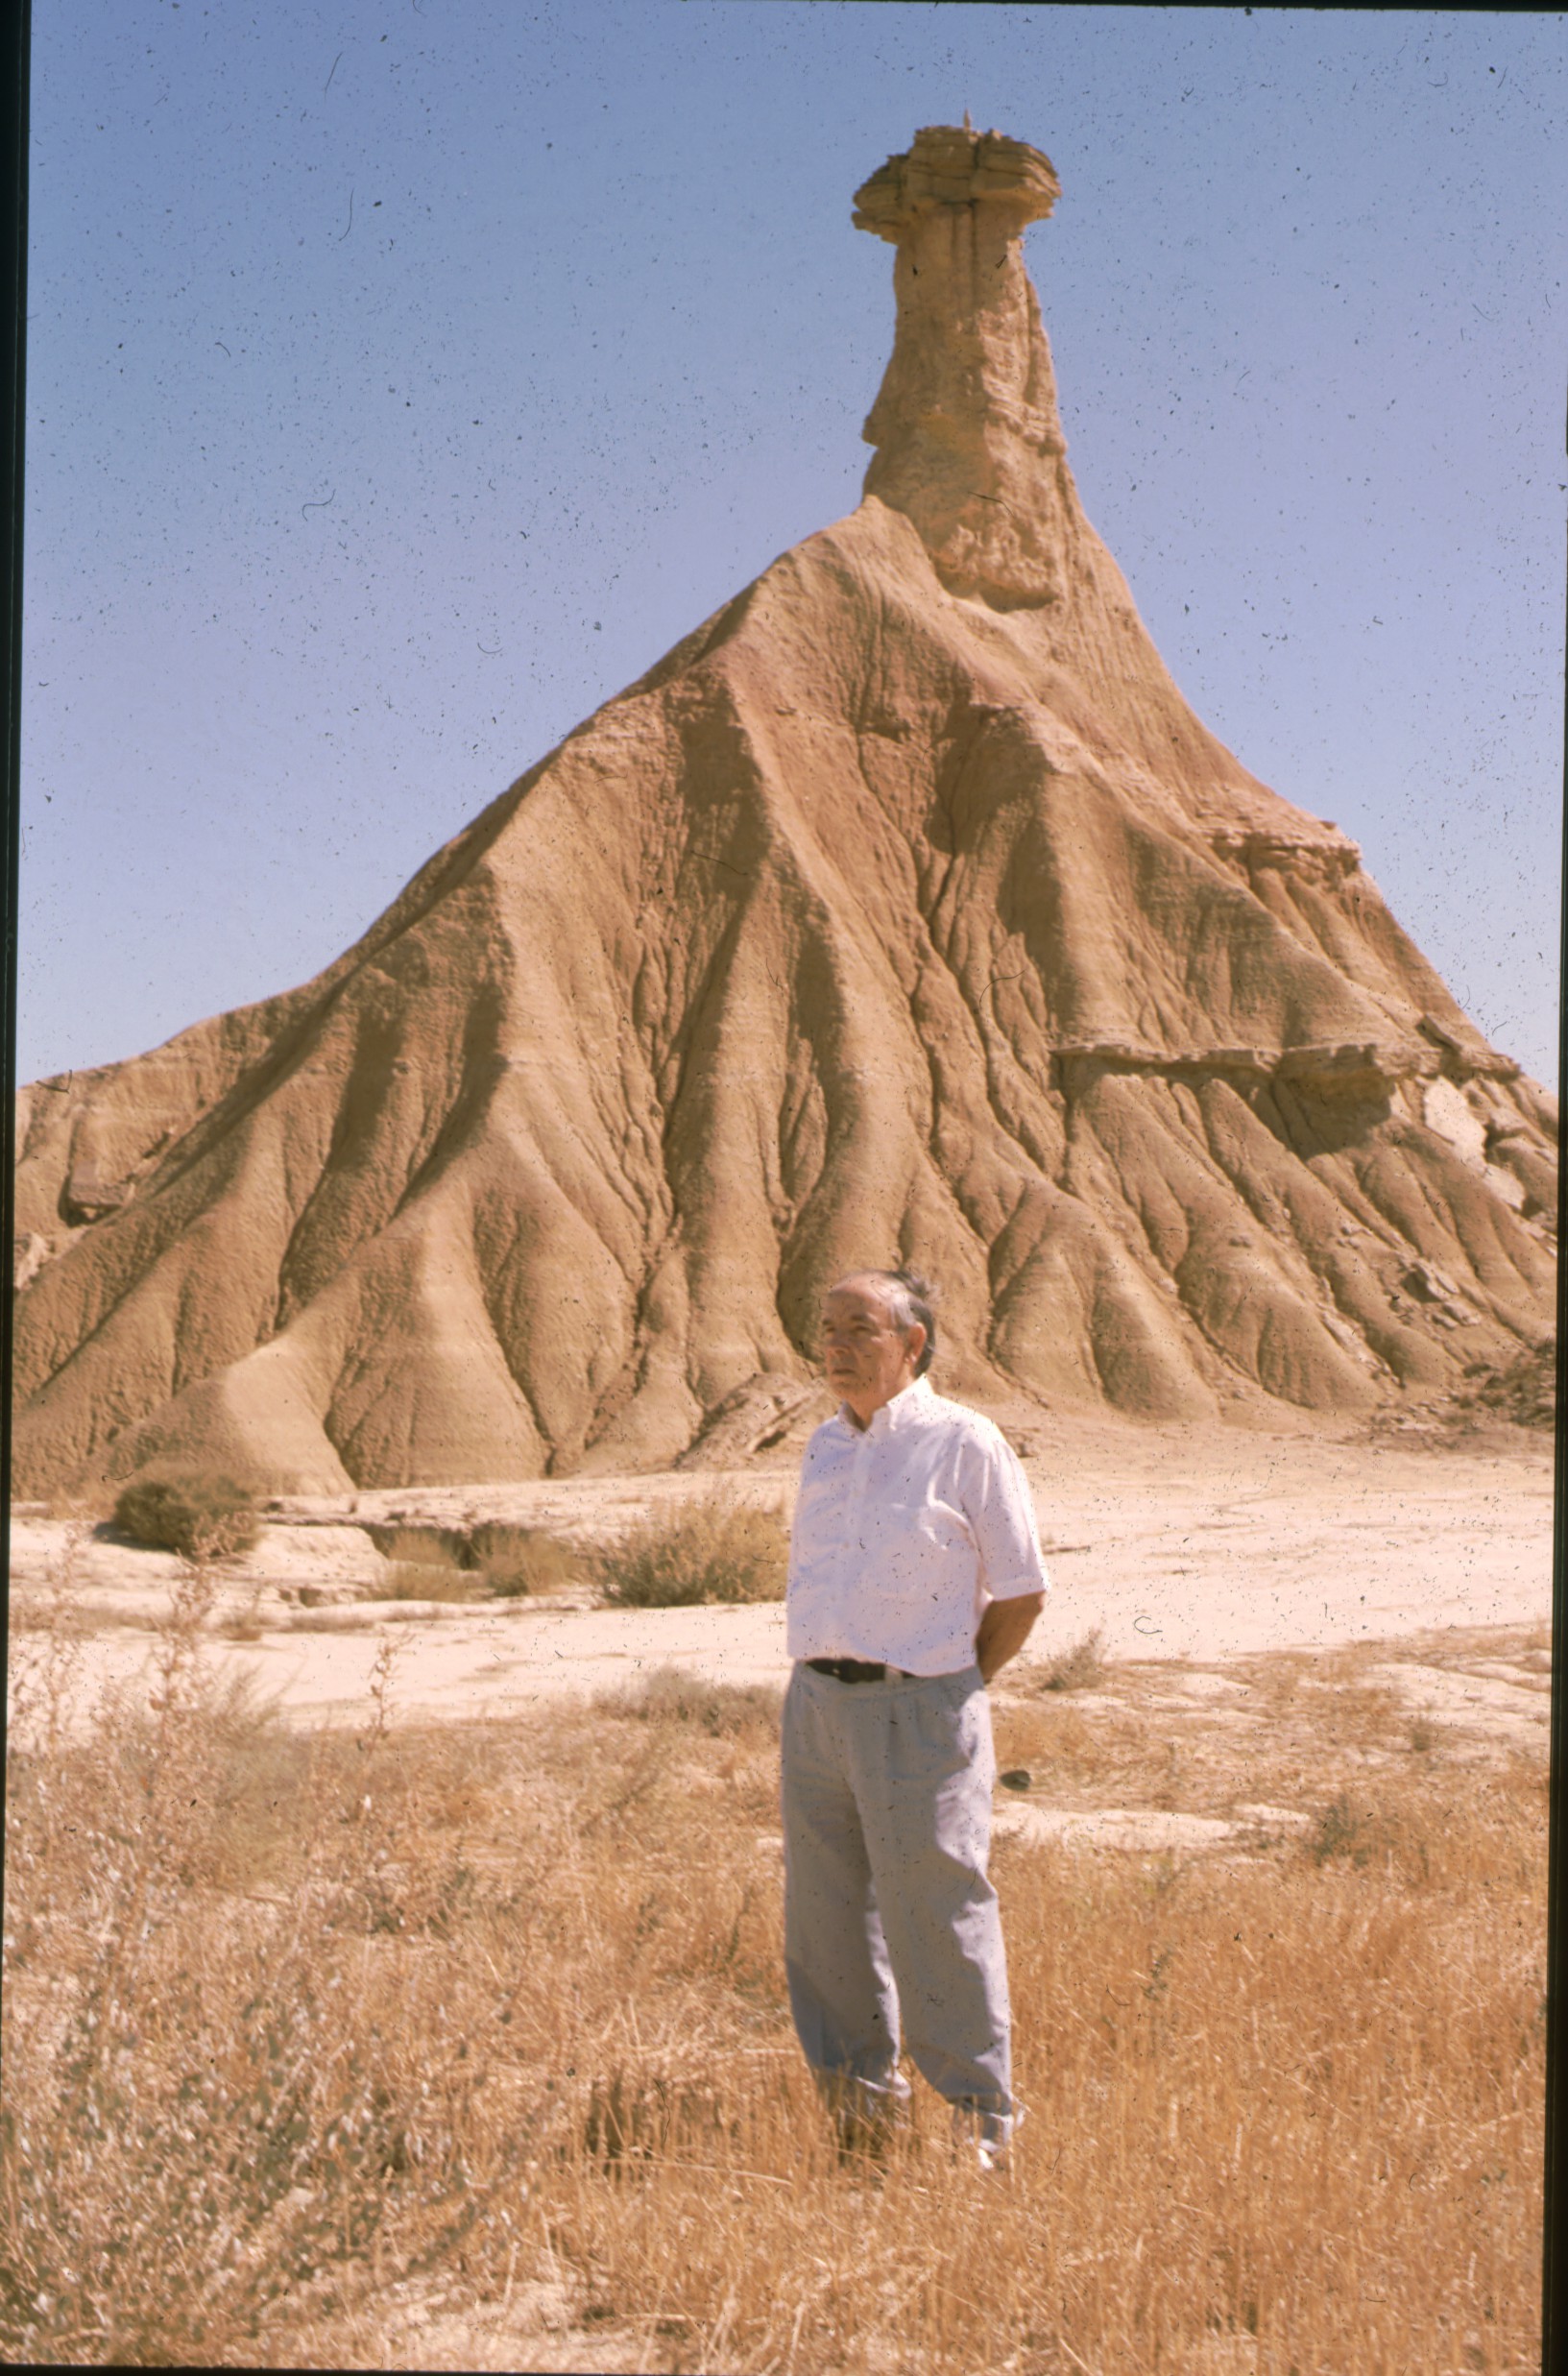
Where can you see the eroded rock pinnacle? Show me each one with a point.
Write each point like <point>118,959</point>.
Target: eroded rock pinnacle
<point>969,441</point>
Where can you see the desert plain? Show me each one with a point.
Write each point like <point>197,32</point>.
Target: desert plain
<point>1173,1543</point>
<point>1271,1857</point>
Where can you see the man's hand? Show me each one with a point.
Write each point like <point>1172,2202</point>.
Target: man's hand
<point>1005,1629</point>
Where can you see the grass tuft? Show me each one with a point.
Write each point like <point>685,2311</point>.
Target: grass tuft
<point>431,1580</point>
<point>497,1558</point>
<point>1079,1668</point>
<point>1356,1830</point>
<point>716,1547</point>
<point>518,1560</point>
<point>671,1695</point>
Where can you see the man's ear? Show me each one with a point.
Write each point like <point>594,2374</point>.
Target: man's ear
<point>914,1342</point>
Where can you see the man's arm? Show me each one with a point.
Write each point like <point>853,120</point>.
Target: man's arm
<point>1005,1629</point>
<point>997,1501</point>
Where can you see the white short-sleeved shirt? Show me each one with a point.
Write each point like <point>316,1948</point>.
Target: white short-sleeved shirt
<point>905,1532</point>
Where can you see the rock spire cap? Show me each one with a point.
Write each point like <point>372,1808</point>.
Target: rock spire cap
<point>967,438</point>
<point>952,165</point>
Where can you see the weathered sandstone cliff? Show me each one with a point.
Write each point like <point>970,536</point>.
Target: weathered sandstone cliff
<point>904,909</point>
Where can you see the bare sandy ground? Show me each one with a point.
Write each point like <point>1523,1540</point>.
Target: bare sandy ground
<point>1177,1544</point>
<point>1190,1554</point>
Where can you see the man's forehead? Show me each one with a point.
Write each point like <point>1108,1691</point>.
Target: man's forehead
<point>859,1290</point>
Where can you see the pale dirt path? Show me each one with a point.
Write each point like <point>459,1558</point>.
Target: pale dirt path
<point>1176,1544</point>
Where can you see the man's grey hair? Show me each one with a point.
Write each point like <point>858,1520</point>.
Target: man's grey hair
<point>911,1301</point>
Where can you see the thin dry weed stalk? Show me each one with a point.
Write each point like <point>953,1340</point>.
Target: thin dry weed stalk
<point>297,2025</point>
<point>45,1654</point>
<point>215,2094</point>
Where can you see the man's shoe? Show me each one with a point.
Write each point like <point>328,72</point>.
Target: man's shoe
<point>977,2139</point>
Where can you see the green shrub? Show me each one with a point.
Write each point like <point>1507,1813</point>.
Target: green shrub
<point>200,1516</point>
<point>718,1548</point>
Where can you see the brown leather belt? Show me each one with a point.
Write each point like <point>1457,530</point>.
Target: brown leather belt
<point>855,1670</point>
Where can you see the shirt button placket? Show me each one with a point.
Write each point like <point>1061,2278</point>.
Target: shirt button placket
<point>860,1475</point>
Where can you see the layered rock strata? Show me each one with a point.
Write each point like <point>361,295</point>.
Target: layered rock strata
<point>903,909</point>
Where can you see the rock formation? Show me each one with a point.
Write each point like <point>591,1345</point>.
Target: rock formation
<point>903,909</point>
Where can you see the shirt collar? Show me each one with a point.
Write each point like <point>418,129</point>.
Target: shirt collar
<point>910,1403</point>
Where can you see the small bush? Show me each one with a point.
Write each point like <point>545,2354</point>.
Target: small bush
<point>517,1561</point>
<point>495,1557</point>
<point>200,1516</point>
<point>718,1548</point>
<point>1079,1668</point>
<point>232,2097</point>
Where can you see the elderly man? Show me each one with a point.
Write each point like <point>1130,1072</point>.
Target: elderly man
<point>914,1574</point>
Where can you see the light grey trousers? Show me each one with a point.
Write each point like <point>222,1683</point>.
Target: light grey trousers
<point>886,1796</point>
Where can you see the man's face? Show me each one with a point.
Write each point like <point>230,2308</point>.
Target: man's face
<point>867,1358</point>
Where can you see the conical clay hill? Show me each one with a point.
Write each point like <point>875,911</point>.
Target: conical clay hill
<point>903,907</point>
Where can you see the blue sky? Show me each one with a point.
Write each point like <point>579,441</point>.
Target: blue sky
<point>405,376</point>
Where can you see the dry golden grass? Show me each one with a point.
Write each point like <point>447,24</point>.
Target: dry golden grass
<point>1079,1668</point>
<point>308,2039</point>
<point>714,1548</point>
<point>495,1558</point>
<point>526,1560</point>
<point>431,1580</point>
